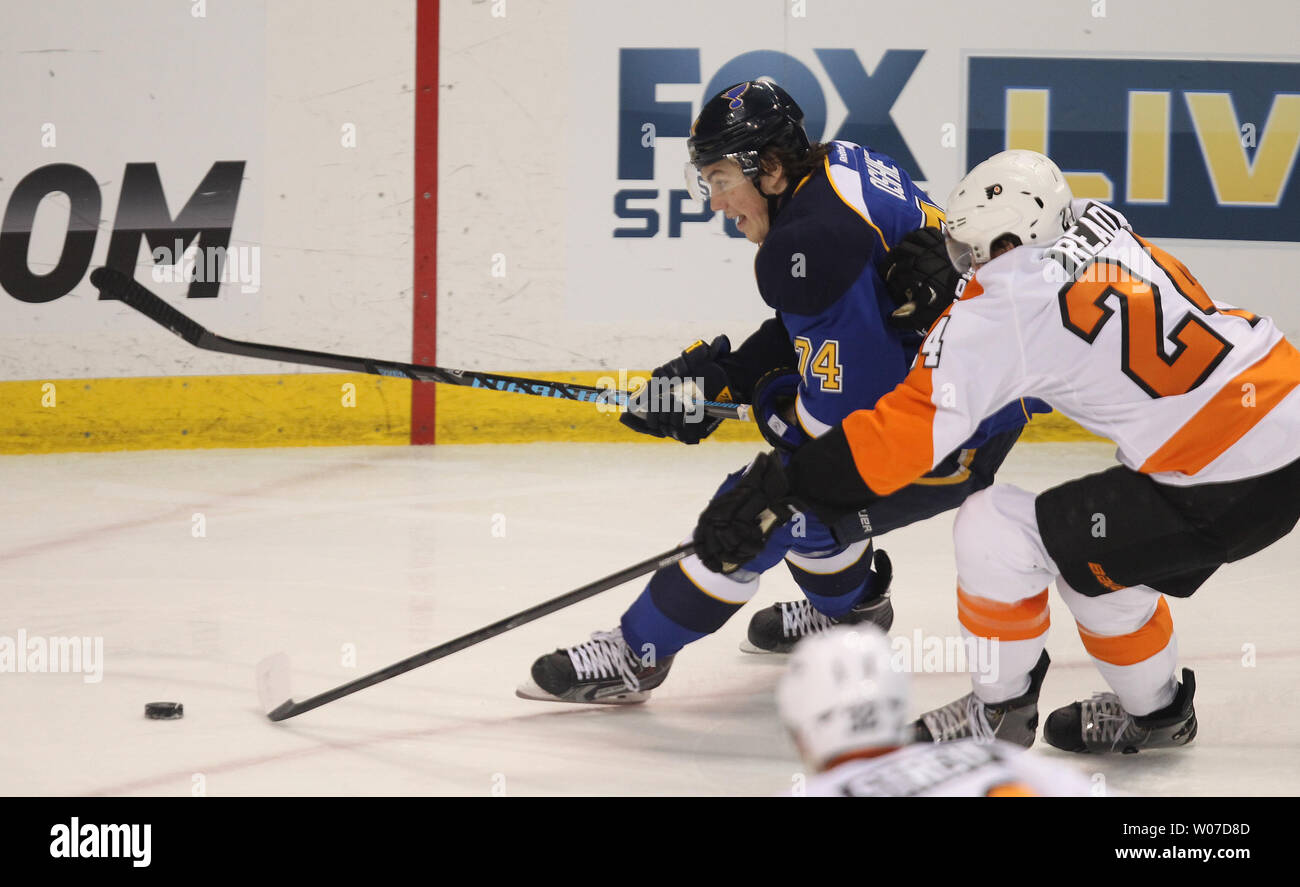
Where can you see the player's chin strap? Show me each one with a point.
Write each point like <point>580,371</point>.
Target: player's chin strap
<point>775,201</point>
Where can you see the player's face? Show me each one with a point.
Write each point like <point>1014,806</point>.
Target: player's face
<point>734,195</point>
<point>959,254</point>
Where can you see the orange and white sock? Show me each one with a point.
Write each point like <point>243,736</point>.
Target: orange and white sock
<point>1003,571</point>
<point>1017,631</point>
<point>1130,635</point>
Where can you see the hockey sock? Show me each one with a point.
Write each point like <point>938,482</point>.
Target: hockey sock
<point>683,603</point>
<point>1138,664</point>
<point>836,583</point>
<point>1015,633</point>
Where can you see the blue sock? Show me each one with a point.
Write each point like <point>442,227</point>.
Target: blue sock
<point>671,613</point>
<point>834,594</point>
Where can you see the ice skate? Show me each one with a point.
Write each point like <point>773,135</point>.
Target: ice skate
<point>1014,721</point>
<point>779,627</point>
<point>602,670</point>
<point>1101,726</point>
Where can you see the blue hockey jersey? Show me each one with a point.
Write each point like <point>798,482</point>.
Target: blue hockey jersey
<point>819,268</point>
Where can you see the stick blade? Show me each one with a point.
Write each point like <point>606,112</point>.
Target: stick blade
<point>113,284</point>
<point>273,685</point>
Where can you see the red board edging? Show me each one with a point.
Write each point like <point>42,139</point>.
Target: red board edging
<point>424,336</point>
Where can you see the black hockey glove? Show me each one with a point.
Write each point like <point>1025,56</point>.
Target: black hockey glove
<point>920,278</point>
<point>735,526</point>
<point>821,479</point>
<point>668,405</point>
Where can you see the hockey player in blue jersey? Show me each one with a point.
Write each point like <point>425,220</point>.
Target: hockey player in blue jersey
<point>832,222</point>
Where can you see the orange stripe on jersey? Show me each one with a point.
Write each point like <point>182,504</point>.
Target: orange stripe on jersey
<point>893,443</point>
<point>987,618</point>
<point>1235,409</point>
<point>1135,647</point>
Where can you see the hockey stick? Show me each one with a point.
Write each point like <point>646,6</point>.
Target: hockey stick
<point>114,284</point>
<point>273,671</point>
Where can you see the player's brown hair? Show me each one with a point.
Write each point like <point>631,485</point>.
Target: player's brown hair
<point>795,164</point>
<point>1002,244</point>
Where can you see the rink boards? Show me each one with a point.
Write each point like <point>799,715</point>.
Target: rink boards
<point>497,186</point>
<point>320,409</point>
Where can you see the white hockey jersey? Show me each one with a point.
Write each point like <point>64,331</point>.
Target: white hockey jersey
<point>1116,334</point>
<point>966,768</point>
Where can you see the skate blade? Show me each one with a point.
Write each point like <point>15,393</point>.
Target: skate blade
<point>747,647</point>
<point>530,690</point>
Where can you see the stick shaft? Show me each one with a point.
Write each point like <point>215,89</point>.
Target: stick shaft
<point>123,288</point>
<point>292,709</point>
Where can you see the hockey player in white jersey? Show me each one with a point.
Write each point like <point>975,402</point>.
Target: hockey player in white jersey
<point>846,707</point>
<point>1064,301</point>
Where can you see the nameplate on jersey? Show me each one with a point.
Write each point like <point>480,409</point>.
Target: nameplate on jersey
<point>1091,232</point>
<point>916,773</point>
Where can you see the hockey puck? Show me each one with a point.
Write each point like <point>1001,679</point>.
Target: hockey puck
<point>164,711</point>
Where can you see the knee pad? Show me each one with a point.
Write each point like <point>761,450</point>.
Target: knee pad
<point>1000,555</point>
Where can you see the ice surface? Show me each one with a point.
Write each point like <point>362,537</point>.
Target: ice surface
<point>387,551</point>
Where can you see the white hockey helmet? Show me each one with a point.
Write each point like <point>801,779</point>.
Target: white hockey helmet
<point>840,693</point>
<point>1018,193</point>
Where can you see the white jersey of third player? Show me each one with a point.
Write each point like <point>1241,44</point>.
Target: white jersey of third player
<point>1112,331</point>
<point>965,768</point>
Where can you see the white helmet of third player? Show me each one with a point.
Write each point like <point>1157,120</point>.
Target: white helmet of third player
<point>1017,193</point>
<point>840,693</point>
